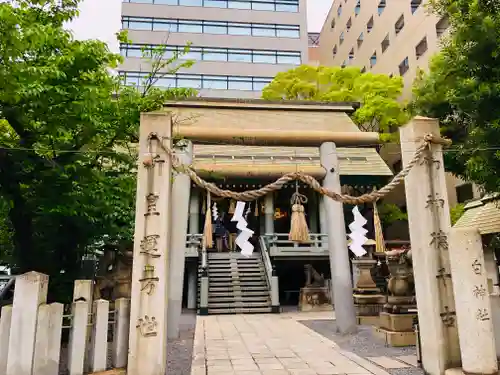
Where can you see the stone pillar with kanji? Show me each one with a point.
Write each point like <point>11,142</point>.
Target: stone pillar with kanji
<point>148,307</point>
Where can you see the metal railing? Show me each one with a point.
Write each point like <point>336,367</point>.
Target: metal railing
<point>266,259</point>
<point>279,245</point>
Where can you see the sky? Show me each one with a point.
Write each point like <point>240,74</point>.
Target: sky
<point>100,19</point>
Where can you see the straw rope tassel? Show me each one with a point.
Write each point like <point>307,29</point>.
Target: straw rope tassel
<point>299,232</point>
<point>207,229</point>
<point>379,235</point>
<point>256,210</point>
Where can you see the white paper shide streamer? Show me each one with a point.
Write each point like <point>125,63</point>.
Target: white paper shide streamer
<point>357,234</point>
<point>245,234</point>
<point>215,212</point>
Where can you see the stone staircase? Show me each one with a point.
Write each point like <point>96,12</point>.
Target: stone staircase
<point>236,284</point>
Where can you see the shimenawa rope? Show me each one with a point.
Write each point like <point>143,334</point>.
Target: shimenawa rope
<point>251,195</point>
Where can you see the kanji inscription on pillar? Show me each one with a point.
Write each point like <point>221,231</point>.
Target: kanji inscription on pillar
<point>151,200</point>
<point>149,280</point>
<point>477,267</point>
<point>149,245</point>
<point>148,326</point>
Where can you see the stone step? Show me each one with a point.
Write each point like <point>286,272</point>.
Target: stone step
<point>219,277</point>
<point>237,304</point>
<point>237,298</point>
<point>252,293</point>
<point>244,310</point>
<point>230,289</point>
<point>237,282</point>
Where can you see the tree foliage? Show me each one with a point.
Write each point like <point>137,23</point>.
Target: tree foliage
<point>377,93</point>
<point>67,170</point>
<point>462,89</point>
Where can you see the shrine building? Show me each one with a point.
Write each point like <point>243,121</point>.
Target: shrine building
<point>210,125</point>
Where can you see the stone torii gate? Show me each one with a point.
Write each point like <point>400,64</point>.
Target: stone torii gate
<point>161,220</point>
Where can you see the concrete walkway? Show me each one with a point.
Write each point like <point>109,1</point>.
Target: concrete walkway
<point>273,344</point>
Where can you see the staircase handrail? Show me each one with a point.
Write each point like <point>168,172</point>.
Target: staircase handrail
<point>266,259</point>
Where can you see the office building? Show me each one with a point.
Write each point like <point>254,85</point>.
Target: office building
<point>313,49</point>
<point>382,36</point>
<point>394,37</point>
<point>238,45</point>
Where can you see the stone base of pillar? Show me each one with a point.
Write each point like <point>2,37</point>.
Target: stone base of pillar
<point>203,311</point>
<point>276,309</point>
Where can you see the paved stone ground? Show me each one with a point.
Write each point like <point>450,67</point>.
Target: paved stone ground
<point>278,345</point>
<point>397,361</point>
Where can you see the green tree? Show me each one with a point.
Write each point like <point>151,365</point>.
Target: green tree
<point>67,170</point>
<point>462,89</point>
<point>377,93</point>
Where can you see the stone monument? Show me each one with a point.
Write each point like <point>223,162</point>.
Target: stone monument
<point>315,295</point>
<point>396,321</point>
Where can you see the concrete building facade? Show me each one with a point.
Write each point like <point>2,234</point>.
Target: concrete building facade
<point>382,36</point>
<point>313,49</point>
<point>395,37</point>
<point>238,45</point>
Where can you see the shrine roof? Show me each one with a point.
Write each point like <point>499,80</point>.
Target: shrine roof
<point>483,214</point>
<point>263,161</point>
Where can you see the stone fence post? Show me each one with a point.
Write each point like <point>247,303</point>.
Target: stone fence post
<point>30,292</point>
<point>120,336</point>
<point>5,321</point>
<point>48,339</point>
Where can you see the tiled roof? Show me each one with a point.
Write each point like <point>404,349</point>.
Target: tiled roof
<point>483,214</point>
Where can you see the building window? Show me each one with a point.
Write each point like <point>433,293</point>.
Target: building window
<point>421,47</point>
<point>400,23</point>
<point>414,4</point>
<point>464,192</point>
<point>385,43</point>
<point>373,60</point>
<point>269,5</point>
<point>369,25</point>
<point>334,51</point>
<point>404,66</point>
<point>332,24</point>
<point>442,25</point>
<point>200,81</point>
<point>361,37</point>
<point>381,7</point>
<point>351,55</point>
<point>212,27</point>
<point>341,38</point>
<point>357,9</point>
<point>216,54</point>
<point>349,24</point>
<point>339,10</point>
